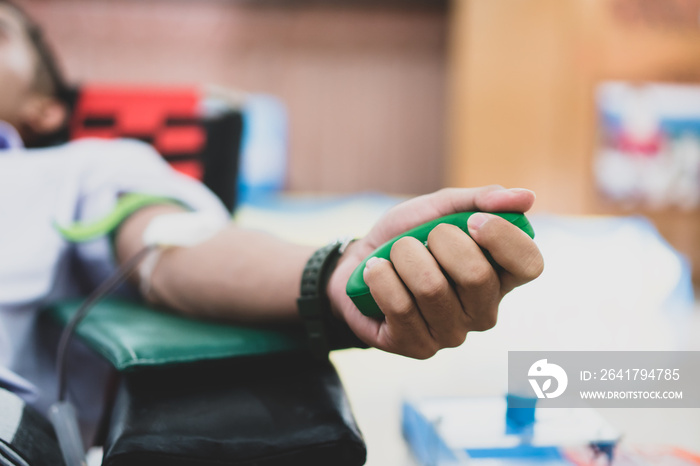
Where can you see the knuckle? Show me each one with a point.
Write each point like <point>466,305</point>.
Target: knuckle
<point>432,287</point>
<point>485,190</point>
<point>401,306</point>
<point>455,339</point>
<point>425,351</point>
<point>479,275</point>
<point>482,276</point>
<point>487,321</point>
<point>423,348</point>
<point>446,196</point>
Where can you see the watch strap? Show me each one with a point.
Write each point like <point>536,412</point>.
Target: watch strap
<point>324,331</point>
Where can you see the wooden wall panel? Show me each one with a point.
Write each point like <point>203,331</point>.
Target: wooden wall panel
<point>364,84</point>
<point>515,114</point>
<point>522,80</point>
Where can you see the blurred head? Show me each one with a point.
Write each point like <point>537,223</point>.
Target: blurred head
<point>32,91</point>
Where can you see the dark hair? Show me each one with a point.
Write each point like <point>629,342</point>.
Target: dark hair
<point>48,77</point>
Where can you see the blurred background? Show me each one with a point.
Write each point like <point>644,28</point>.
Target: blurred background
<point>409,96</point>
<point>363,82</point>
<point>593,104</point>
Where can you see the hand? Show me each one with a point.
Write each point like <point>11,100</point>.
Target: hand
<point>432,297</point>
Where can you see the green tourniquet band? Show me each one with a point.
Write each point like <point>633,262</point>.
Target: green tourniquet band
<point>126,205</point>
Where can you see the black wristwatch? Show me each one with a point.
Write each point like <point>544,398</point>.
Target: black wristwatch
<point>324,331</point>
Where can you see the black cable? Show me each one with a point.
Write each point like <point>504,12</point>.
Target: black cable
<point>106,287</point>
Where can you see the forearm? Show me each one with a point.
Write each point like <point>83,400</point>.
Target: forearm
<point>239,275</point>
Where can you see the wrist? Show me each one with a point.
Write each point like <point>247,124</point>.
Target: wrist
<point>337,281</point>
<point>320,314</point>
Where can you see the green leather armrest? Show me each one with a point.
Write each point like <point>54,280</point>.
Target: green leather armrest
<point>130,335</point>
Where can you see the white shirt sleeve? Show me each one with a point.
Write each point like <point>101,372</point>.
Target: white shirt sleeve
<point>109,169</point>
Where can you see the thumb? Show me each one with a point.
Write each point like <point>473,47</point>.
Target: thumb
<point>421,209</point>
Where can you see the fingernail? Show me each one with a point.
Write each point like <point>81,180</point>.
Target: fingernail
<point>477,220</point>
<point>522,190</point>
<point>370,263</point>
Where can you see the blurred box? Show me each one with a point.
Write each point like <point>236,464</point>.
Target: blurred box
<point>477,431</point>
<point>649,146</point>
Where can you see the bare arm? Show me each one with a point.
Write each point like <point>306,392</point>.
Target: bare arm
<point>240,275</point>
<point>431,297</point>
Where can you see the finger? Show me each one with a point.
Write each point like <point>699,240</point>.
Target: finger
<point>436,299</point>
<point>447,201</point>
<point>509,246</point>
<point>505,200</point>
<point>404,330</point>
<point>487,199</point>
<point>476,281</point>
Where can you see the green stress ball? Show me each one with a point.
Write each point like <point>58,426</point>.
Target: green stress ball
<point>359,291</point>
